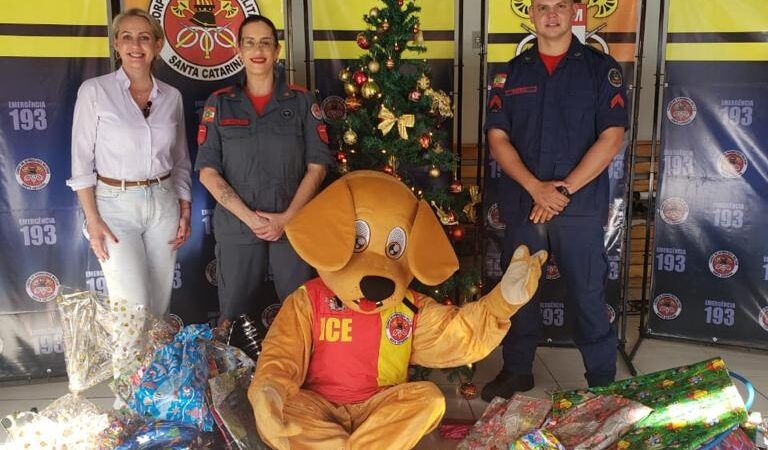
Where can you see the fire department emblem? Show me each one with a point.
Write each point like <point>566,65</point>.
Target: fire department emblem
<point>667,306</point>
<point>551,271</point>
<point>269,314</point>
<point>611,313</point>
<point>494,218</point>
<point>681,111</point>
<point>398,328</point>
<point>732,164</point>
<point>33,174</point>
<point>723,264</point>
<point>201,35</point>
<point>42,286</point>
<point>762,318</point>
<point>674,210</point>
<point>210,273</point>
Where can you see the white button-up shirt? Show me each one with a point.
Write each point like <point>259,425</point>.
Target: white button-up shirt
<point>111,137</point>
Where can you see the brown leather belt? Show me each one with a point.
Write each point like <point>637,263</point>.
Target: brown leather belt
<point>122,183</point>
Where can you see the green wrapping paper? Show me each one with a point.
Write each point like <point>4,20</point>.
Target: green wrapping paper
<point>691,404</point>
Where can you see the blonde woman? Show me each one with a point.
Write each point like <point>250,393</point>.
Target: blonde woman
<point>131,168</point>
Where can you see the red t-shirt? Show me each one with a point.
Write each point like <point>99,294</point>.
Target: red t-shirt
<point>259,102</point>
<point>551,62</point>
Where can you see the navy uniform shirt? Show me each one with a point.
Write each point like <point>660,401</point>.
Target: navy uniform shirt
<point>264,156</point>
<point>552,120</point>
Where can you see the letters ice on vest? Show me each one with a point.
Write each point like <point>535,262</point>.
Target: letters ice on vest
<point>333,369</point>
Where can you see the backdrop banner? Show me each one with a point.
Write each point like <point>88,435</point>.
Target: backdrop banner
<point>710,278</point>
<point>610,27</point>
<point>42,244</point>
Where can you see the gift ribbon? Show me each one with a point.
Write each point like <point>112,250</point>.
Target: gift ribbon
<point>388,120</point>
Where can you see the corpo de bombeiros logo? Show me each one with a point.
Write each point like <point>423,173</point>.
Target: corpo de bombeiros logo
<point>667,306</point>
<point>681,111</point>
<point>42,286</point>
<point>732,164</point>
<point>33,174</point>
<point>723,264</point>
<point>201,35</point>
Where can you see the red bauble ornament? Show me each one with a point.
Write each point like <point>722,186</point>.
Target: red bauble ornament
<point>396,47</point>
<point>353,103</point>
<point>359,77</point>
<point>414,95</point>
<point>388,169</point>
<point>468,390</point>
<point>456,233</point>
<point>363,42</point>
<point>425,140</point>
<point>415,28</point>
<point>341,156</point>
<point>455,187</point>
<point>447,301</point>
<point>399,2</point>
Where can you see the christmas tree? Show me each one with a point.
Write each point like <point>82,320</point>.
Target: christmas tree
<point>398,123</point>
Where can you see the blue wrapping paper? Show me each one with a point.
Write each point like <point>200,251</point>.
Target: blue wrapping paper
<point>173,386</point>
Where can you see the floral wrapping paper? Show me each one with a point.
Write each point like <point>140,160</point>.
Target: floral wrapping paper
<point>505,420</point>
<point>537,440</point>
<point>597,423</point>
<point>692,404</point>
<point>173,387</point>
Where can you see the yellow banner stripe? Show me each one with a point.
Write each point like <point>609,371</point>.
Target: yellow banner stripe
<point>274,10</point>
<point>348,15</point>
<point>690,16</point>
<point>350,50</point>
<point>54,46</point>
<point>718,51</point>
<point>56,12</point>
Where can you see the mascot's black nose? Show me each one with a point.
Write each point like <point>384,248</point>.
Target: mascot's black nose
<point>376,288</point>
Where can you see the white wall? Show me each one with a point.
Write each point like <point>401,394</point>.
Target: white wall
<point>472,65</point>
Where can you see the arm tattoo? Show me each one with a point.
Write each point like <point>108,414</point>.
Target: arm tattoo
<point>226,194</point>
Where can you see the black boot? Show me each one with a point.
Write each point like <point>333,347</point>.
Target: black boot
<point>506,384</point>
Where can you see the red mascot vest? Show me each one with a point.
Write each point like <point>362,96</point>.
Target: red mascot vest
<point>354,355</point>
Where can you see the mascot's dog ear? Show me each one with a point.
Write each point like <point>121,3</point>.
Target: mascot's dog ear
<point>323,231</point>
<point>430,255</point>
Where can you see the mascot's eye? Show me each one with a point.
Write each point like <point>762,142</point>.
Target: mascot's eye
<point>362,235</point>
<point>396,243</point>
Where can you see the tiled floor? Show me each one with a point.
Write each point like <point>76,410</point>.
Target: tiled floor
<point>554,369</point>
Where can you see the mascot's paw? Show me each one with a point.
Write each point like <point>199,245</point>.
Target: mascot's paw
<point>268,409</point>
<point>521,279</point>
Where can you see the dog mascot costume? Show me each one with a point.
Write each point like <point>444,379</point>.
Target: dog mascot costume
<point>333,369</point>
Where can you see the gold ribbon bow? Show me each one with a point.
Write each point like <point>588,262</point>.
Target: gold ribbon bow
<point>388,120</point>
<point>440,102</point>
<point>474,200</point>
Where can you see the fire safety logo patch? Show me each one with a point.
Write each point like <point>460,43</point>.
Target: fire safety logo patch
<point>399,327</point>
<point>201,35</point>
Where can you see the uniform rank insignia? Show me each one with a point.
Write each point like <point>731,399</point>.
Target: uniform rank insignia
<point>322,132</point>
<point>495,103</point>
<point>617,101</point>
